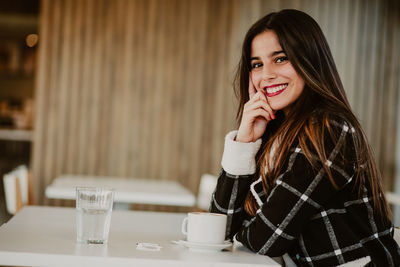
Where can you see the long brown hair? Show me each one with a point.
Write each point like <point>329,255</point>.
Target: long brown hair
<point>307,49</point>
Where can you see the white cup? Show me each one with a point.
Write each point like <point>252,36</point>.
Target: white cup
<point>204,227</point>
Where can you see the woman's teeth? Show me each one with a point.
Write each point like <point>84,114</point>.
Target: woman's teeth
<point>276,89</point>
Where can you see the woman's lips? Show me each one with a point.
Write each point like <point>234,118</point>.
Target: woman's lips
<point>275,90</point>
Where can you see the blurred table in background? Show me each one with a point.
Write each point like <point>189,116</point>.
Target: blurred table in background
<point>127,190</point>
<point>16,135</point>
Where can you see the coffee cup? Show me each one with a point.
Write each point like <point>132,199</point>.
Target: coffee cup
<point>204,227</point>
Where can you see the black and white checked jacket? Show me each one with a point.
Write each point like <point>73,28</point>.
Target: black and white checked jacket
<point>304,214</point>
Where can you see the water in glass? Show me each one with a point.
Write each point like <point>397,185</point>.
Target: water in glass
<point>93,225</point>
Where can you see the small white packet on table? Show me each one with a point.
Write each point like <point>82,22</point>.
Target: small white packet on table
<point>148,246</point>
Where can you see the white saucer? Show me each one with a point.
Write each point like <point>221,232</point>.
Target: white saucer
<point>205,246</point>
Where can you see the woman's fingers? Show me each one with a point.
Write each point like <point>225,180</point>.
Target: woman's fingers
<point>258,102</point>
<point>256,114</point>
<point>252,90</point>
<point>261,113</point>
<point>256,97</point>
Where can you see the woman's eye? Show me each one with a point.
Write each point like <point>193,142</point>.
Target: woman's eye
<point>281,59</point>
<point>256,65</point>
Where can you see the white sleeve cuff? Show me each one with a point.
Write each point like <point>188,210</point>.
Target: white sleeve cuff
<point>239,158</point>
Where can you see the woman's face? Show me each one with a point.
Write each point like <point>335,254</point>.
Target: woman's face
<point>272,73</point>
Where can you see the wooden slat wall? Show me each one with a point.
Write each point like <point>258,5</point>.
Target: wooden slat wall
<point>143,88</point>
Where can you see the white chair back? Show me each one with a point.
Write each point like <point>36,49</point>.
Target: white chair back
<point>23,174</point>
<point>396,235</point>
<point>207,186</point>
<point>393,198</point>
<point>16,189</point>
<point>357,263</point>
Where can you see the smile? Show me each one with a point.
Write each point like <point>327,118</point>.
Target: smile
<point>274,90</point>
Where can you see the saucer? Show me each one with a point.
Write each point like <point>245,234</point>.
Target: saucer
<point>205,246</point>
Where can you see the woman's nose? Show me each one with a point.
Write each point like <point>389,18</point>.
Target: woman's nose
<point>268,73</point>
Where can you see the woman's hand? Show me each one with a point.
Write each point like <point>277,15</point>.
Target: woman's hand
<point>256,115</point>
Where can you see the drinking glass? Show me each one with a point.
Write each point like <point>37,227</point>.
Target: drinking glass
<point>93,214</point>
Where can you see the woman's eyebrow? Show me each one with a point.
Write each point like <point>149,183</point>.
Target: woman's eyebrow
<point>272,54</point>
<point>276,53</point>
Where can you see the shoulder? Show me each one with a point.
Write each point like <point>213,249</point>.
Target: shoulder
<point>335,124</point>
<point>328,133</point>
<point>329,143</point>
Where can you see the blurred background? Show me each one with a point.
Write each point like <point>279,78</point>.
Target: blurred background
<point>143,88</point>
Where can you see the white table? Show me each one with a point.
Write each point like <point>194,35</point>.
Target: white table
<point>45,236</point>
<point>127,190</point>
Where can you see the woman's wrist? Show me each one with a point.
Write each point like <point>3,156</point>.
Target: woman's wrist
<point>240,139</point>
<point>239,158</point>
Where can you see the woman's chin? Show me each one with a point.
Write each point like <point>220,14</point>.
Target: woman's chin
<point>276,106</point>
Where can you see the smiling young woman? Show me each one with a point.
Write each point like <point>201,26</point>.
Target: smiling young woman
<point>299,178</point>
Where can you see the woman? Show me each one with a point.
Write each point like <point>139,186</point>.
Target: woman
<point>299,176</point>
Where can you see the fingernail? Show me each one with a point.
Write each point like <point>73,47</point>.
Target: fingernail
<point>274,116</point>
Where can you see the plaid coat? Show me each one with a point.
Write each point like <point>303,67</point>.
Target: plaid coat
<point>304,214</point>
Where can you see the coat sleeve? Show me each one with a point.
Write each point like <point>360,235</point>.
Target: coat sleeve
<point>299,194</point>
<point>238,170</point>
<point>228,199</point>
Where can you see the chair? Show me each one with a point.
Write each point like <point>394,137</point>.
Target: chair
<point>396,235</point>
<point>392,198</point>
<point>17,189</point>
<point>207,186</point>
<point>357,263</point>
